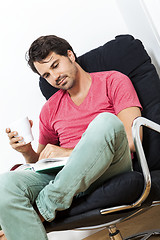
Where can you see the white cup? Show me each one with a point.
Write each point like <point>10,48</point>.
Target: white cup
<point>23,128</point>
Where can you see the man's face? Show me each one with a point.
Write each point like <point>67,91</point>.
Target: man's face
<point>59,71</point>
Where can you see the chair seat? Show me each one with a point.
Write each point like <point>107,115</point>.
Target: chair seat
<point>123,189</point>
<point>88,219</point>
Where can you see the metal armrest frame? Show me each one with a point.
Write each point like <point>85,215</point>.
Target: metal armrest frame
<point>137,123</point>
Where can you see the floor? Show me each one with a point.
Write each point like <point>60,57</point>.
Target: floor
<point>147,221</point>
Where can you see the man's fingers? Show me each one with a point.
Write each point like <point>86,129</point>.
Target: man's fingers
<point>31,122</point>
<point>8,130</point>
<point>15,140</point>
<point>18,145</point>
<point>12,134</point>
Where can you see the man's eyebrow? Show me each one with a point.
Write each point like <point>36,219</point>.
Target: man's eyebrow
<point>50,65</point>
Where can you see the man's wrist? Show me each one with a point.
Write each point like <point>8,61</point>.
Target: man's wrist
<point>30,156</point>
<point>68,152</point>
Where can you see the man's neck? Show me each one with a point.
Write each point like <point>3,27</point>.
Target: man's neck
<point>81,88</point>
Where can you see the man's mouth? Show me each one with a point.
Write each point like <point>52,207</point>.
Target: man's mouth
<point>61,80</point>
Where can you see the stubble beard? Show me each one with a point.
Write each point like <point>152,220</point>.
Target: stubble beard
<point>68,85</point>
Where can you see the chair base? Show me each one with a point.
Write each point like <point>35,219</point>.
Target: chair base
<point>144,235</point>
<point>114,234</point>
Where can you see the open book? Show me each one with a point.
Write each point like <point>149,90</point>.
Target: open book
<point>47,165</point>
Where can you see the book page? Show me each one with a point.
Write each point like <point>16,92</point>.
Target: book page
<point>50,164</point>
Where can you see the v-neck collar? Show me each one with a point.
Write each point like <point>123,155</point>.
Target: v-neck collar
<point>83,103</point>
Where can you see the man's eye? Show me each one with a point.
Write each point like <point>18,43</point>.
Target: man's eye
<point>46,75</point>
<point>56,65</point>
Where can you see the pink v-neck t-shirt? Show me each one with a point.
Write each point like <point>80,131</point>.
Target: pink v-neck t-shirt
<point>62,122</point>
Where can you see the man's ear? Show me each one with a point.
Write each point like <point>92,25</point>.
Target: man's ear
<point>71,55</point>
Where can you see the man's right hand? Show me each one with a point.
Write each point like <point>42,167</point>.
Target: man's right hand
<point>14,142</point>
<point>26,149</point>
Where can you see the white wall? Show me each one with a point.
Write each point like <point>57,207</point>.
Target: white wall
<point>142,20</point>
<point>85,24</point>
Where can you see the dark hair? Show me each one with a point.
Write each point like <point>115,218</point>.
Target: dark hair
<point>42,47</point>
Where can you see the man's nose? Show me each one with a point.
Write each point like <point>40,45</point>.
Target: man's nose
<point>55,76</point>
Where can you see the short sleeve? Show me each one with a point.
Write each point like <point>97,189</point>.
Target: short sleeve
<point>47,133</point>
<point>121,92</point>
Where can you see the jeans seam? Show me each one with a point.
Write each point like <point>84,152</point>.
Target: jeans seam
<point>68,190</point>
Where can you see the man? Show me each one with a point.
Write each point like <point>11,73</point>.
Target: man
<point>89,119</point>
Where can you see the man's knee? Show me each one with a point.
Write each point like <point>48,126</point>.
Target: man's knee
<point>8,186</point>
<point>107,122</point>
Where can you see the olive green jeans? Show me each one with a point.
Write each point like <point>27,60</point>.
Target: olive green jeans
<point>101,153</point>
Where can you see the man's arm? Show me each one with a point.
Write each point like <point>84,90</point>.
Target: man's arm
<point>52,151</point>
<point>127,116</point>
<point>48,151</point>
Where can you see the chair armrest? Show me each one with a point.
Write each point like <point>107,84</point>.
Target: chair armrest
<point>137,123</point>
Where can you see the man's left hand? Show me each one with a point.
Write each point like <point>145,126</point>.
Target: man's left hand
<point>53,151</point>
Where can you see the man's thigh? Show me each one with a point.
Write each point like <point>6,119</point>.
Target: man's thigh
<point>26,181</point>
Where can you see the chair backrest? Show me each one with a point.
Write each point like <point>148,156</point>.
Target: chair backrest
<point>127,55</point>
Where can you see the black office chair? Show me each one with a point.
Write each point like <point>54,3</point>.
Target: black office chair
<point>131,193</point>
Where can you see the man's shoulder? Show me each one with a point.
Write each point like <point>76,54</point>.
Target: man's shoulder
<point>106,74</point>
<point>53,101</point>
<point>108,77</point>
<point>58,95</point>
